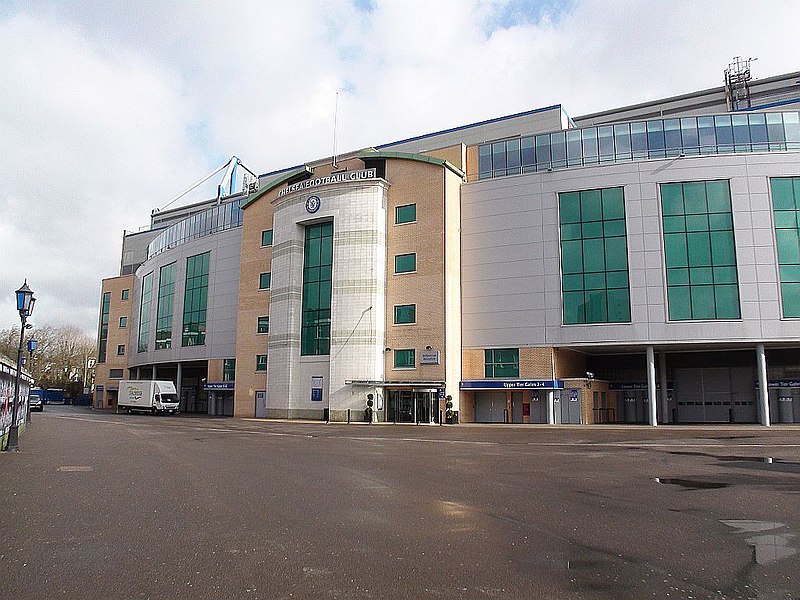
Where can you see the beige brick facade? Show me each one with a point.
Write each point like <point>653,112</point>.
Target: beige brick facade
<point>117,336</point>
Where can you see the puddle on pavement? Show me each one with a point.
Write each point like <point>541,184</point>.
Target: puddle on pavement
<point>692,484</point>
<point>771,544</point>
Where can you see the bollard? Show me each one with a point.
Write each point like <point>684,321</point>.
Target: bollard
<point>348,416</point>
<point>440,418</point>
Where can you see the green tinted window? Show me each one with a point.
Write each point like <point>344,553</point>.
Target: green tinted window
<point>699,251</point>
<point>502,362</point>
<point>594,257</point>
<point>103,338</point>
<point>405,263</point>
<point>261,362</point>
<point>228,369</point>
<point>263,325</point>
<point>405,313</point>
<point>125,294</point>
<point>786,210</point>
<point>315,336</point>
<point>404,359</point>
<point>264,279</point>
<point>144,311</point>
<point>166,295</point>
<point>405,214</point>
<point>266,237</point>
<point>195,300</point>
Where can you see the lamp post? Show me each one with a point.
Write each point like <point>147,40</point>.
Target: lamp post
<point>25,302</point>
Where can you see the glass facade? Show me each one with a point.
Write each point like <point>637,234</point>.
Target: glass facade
<point>405,314</point>
<point>405,263</point>
<point>104,311</point>
<point>219,218</point>
<point>786,212</point>
<point>166,295</point>
<point>501,362</point>
<point>405,359</point>
<point>228,369</point>
<point>195,300</point>
<point>315,336</point>
<point>594,257</point>
<point>660,138</point>
<point>405,214</point>
<point>144,311</point>
<point>699,251</point>
<point>263,325</point>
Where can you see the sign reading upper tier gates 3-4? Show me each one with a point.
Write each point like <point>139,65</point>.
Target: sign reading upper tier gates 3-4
<point>512,384</point>
<point>343,177</point>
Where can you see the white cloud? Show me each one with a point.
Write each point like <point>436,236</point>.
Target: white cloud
<point>108,110</point>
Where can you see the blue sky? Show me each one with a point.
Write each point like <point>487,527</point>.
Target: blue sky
<point>109,109</point>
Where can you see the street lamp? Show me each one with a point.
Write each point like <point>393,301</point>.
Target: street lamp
<point>25,302</point>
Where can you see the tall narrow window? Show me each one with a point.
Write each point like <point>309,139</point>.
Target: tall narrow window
<point>228,369</point>
<point>264,281</point>
<point>103,337</point>
<point>124,295</point>
<point>263,325</point>
<point>786,210</point>
<point>594,257</point>
<point>261,362</point>
<point>266,237</point>
<point>166,295</point>
<point>144,311</point>
<point>501,362</point>
<point>699,251</point>
<point>195,300</point>
<point>315,337</point>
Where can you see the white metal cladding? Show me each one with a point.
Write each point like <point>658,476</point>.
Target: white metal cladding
<point>221,310</point>
<point>511,283</point>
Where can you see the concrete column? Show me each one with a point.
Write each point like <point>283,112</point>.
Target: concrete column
<point>662,372</point>
<point>178,381</point>
<point>154,373</point>
<point>763,391</point>
<point>551,418</point>
<point>651,385</point>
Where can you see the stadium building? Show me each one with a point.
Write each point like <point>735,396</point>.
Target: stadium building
<point>638,265</point>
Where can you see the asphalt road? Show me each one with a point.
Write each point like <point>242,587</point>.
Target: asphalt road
<point>125,506</point>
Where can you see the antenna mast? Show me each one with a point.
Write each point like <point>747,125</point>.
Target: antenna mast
<point>335,115</point>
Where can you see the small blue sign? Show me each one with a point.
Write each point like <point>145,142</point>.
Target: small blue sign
<point>316,394</point>
<point>441,393</point>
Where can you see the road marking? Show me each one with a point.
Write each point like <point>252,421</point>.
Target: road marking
<point>75,469</point>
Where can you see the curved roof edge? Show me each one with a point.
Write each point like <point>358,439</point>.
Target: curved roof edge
<point>411,156</point>
<point>273,184</point>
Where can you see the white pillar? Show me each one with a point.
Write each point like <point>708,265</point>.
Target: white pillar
<point>763,391</point>
<point>662,372</point>
<point>178,381</point>
<point>651,385</point>
<point>551,419</point>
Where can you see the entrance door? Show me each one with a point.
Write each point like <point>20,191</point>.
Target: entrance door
<point>261,404</point>
<point>516,407</point>
<point>490,407</point>
<point>426,407</point>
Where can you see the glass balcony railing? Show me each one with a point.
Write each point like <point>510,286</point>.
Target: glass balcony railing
<point>219,218</point>
<point>641,140</point>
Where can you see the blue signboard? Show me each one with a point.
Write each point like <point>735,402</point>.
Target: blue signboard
<point>219,385</point>
<point>316,394</point>
<point>512,384</point>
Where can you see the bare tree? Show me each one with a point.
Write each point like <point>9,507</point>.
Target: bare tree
<point>59,359</point>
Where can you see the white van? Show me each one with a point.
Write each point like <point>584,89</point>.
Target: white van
<point>152,396</point>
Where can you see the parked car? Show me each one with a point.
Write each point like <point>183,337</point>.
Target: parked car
<point>35,402</point>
